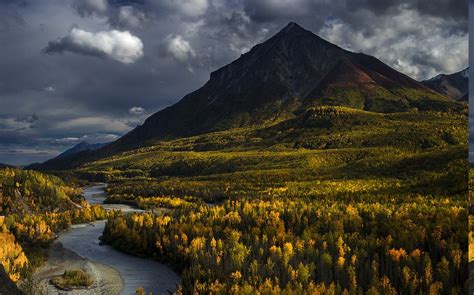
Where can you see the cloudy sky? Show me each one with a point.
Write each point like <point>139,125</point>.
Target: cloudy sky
<point>74,70</point>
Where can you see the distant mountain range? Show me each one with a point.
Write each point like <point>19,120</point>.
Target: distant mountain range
<point>2,165</point>
<point>276,80</point>
<point>81,147</point>
<point>453,85</point>
<point>69,156</point>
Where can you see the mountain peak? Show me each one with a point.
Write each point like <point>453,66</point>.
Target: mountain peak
<point>293,29</point>
<point>293,70</point>
<point>292,26</point>
<point>453,85</point>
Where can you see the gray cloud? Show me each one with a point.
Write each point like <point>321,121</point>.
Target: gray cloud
<point>66,140</point>
<point>271,10</point>
<point>127,17</point>
<point>27,119</point>
<point>49,88</point>
<point>118,45</point>
<point>19,155</point>
<point>181,8</point>
<point>124,16</point>
<point>91,7</point>
<point>176,47</point>
<point>136,110</point>
<point>410,42</point>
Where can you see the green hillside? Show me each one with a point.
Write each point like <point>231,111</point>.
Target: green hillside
<point>332,199</point>
<point>325,150</point>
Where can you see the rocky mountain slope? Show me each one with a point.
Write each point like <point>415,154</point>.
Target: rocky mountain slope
<point>293,70</point>
<point>453,85</point>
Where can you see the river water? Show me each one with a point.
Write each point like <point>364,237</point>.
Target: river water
<point>135,271</point>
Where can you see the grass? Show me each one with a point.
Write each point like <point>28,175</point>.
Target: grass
<point>73,279</point>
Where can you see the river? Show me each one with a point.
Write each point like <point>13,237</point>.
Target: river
<point>134,271</point>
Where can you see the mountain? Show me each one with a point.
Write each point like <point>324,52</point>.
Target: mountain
<point>453,85</point>
<point>81,147</point>
<point>276,80</point>
<point>2,165</point>
<point>69,157</point>
<point>293,70</point>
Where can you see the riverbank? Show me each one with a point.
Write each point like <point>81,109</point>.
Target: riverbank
<point>107,281</point>
<point>81,247</point>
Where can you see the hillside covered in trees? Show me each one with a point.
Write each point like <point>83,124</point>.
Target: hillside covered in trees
<point>335,200</point>
<point>300,168</point>
<point>34,207</point>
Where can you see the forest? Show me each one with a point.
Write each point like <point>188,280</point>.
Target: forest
<point>333,201</point>
<point>363,203</point>
<point>35,207</point>
<point>295,246</point>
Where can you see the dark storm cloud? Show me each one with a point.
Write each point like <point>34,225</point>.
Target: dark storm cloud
<point>121,14</point>
<point>90,7</point>
<point>28,119</point>
<point>10,19</point>
<point>439,8</point>
<point>268,10</point>
<point>95,85</point>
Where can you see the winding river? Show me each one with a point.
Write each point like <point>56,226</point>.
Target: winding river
<point>134,271</point>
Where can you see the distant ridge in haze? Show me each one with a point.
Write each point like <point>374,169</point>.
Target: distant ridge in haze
<point>453,85</point>
<point>2,165</point>
<point>69,157</point>
<point>80,147</point>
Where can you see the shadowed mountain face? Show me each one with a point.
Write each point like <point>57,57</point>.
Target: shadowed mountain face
<point>292,70</point>
<point>454,85</point>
